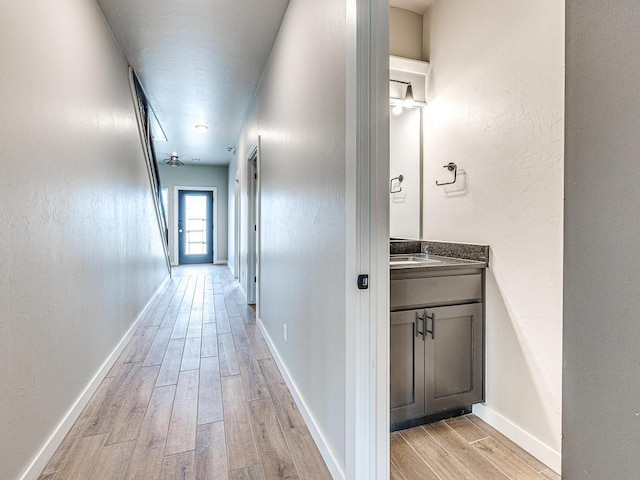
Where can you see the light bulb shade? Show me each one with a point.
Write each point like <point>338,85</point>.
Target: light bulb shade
<point>174,161</point>
<point>408,97</point>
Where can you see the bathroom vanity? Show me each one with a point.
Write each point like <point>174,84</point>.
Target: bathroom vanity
<point>436,331</point>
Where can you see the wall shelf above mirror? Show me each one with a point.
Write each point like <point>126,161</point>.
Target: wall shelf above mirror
<point>403,71</point>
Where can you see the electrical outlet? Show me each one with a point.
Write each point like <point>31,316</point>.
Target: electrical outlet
<point>284,332</point>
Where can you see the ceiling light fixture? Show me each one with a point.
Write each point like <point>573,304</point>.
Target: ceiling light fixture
<point>173,161</point>
<point>202,128</point>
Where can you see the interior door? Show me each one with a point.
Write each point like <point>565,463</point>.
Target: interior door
<point>195,226</point>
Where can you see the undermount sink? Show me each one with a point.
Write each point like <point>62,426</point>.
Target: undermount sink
<point>416,259</point>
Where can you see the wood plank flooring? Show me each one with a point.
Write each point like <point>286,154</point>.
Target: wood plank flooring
<point>195,395</point>
<point>462,448</point>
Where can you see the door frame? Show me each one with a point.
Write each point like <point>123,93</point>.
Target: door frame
<point>367,176</point>
<point>253,207</point>
<point>176,212</point>
<point>237,226</point>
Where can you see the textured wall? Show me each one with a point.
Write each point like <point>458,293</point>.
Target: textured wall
<point>300,114</point>
<point>405,33</point>
<point>601,386</point>
<point>80,249</point>
<point>198,176</point>
<point>496,109</point>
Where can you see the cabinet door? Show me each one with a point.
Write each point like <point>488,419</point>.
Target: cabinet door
<point>406,365</point>
<point>454,357</point>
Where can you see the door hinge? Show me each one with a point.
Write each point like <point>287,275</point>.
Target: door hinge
<point>255,176</point>
<point>363,282</point>
<point>255,228</point>
<point>255,279</point>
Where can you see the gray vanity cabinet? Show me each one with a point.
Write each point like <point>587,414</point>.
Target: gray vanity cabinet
<point>436,343</point>
<point>453,355</point>
<point>407,378</point>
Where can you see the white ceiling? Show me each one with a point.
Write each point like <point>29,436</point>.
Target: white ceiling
<point>418,6</point>
<point>200,63</point>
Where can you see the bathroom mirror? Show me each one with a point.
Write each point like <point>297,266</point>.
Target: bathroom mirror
<point>405,167</point>
<point>407,89</point>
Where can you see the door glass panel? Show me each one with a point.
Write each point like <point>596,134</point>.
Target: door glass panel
<point>196,224</point>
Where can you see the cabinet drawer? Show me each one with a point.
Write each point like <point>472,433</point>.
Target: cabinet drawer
<point>417,292</point>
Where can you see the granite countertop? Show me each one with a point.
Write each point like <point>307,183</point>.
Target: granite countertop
<point>440,263</point>
<point>441,256</point>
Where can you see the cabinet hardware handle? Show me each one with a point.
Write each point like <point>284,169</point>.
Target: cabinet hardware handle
<point>420,319</point>
<point>431,317</point>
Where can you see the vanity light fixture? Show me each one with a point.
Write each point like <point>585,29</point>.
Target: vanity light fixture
<point>201,128</point>
<point>407,102</point>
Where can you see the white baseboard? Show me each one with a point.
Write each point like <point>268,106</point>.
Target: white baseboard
<point>543,452</point>
<point>41,459</point>
<point>218,262</point>
<point>325,450</point>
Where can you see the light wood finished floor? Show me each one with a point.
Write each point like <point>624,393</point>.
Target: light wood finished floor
<point>462,448</point>
<point>195,395</point>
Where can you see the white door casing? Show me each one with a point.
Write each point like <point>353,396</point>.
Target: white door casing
<point>367,359</point>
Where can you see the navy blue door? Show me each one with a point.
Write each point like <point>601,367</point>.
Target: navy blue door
<point>195,226</point>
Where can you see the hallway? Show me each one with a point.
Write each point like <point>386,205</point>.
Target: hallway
<point>195,395</point>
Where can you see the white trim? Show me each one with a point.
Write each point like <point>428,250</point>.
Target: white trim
<point>323,446</point>
<point>543,452</point>
<point>176,249</point>
<point>378,235</point>
<point>45,454</point>
<point>367,176</point>
<point>236,226</point>
<point>253,238</point>
<point>408,65</point>
<point>258,220</point>
<point>356,378</point>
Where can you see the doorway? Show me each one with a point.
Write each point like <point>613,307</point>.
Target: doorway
<point>252,296</point>
<point>236,226</point>
<point>195,226</point>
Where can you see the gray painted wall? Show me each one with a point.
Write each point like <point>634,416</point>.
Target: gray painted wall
<point>601,394</point>
<point>80,248</point>
<point>198,176</point>
<point>300,114</point>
